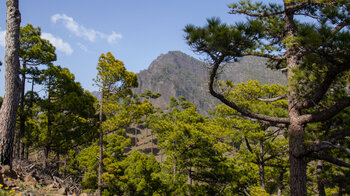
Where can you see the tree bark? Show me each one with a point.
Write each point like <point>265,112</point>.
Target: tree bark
<point>280,182</point>
<point>261,166</point>
<point>46,155</point>
<point>8,111</point>
<point>320,183</point>
<point>295,128</point>
<point>297,162</point>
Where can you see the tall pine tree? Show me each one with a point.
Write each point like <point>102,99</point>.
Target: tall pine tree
<point>314,55</point>
<point>114,82</point>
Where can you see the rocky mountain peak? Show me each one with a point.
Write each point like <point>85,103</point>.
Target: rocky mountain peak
<point>177,74</point>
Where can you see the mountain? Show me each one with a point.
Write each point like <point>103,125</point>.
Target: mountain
<point>177,74</point>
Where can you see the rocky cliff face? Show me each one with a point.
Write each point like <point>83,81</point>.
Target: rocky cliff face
<point>177,74</point>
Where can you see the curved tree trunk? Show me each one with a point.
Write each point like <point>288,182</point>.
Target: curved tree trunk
<point>8,111</point>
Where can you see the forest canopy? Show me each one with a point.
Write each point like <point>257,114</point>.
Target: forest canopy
<point>276,139</point>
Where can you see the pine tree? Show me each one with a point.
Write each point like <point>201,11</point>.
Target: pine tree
<point>114,82</point>
<point>195,162</point>
<point>314,55</point>
<point>258,142</point>
<point>33,52</point>
<point>67,113</point>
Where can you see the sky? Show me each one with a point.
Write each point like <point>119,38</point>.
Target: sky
<point>135,31</point>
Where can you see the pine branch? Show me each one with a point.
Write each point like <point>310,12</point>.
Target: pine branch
<point>326,114</point>
<point>256,15</point>
<point>323,145</point>
<point>248,145</point>
<point>322,156</point>
<point>235,106</point>
<point>338,146</point>
<point>323,87</point>
<point>263,14</point>
<point>340,26</point>
<point>341,135</point>
<point>270,56</point>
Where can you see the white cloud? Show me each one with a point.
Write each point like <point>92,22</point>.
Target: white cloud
<point>55,41</point>
<point>81,31</point>
<point>113,37</point>
<point>58,43</point>
<point>83,47</point>
<point>2,38</point>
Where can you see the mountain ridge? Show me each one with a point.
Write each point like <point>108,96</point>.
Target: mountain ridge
<point>177,74</point>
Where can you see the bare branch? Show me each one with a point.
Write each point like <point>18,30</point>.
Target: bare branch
<point>340,26</point>
<point>341,135</point>
<point>308,15</point>
<point>283,70</point>
<point>328,158</point>
<point>338,146</point>
<point>322,145</point>
<point>273,99</point>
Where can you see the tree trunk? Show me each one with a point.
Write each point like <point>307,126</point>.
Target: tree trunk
<point>189,180</point>
<point>58,162</point>
<point>22,117</point>
<point>27,152</point>
<point>280,182</point>
<point>46,155</point>
<point>8,111</point>
<point>261,166</point>
<point>189,174</point>
<point>340,193</point>
<point>174,167</point>
<point>49,122</point>
<point>295,128</point>
<point>297,162</point>
<point>65,167</point>
<point>100,158</point>
<point>135,135</point>
<point>152,145</point>
<point>320,183</point>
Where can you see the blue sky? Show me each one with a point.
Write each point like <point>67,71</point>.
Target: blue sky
<point>135,31</point>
